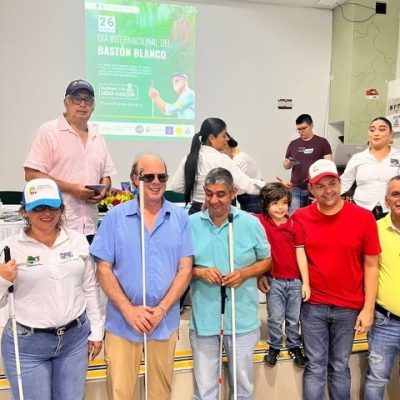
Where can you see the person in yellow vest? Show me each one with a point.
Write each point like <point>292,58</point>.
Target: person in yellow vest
<point>384,337</point>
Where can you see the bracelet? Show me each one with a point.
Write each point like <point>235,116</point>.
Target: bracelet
<point>163,310</point>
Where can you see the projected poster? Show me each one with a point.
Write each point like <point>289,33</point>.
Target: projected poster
<point>140,59</point>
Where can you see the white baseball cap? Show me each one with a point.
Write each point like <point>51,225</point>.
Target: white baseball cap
<point>41,192</point>
<point>320,169</point>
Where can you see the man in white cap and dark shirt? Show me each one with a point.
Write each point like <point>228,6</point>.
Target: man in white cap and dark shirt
<point>72,152</point>
<point>342,247</point>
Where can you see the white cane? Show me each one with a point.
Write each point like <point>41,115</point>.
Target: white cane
<point>142,228</point>
<point>221,340</point>
<point>233,312</point>
<point>7,257</point>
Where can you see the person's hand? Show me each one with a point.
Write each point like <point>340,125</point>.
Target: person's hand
<point>98,196</point>
<point>139,318</point>
<point>94,349</point>
<point>305,292</point>
<point>364,321</point>
<point>211,275</point>
<point>234,279</point>
<point>8,271</point>
<point>81,192</point>
<point>154,94</point>
<point>287,184</point>
<point>262,284</point>
<point>156,317</point>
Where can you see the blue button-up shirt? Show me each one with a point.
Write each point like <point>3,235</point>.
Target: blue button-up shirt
<point>118,242</point>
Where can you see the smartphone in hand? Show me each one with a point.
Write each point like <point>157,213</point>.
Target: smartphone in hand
<point>97,188</point>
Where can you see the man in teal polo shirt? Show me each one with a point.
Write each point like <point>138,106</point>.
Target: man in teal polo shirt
<point>211,270</point>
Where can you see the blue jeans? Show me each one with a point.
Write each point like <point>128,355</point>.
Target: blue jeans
<point>283,304</point>
<point>384,348</point>
<point>328,334</point>
<point>206,364</point>
<point>52,367</point>
<point>300,198</point>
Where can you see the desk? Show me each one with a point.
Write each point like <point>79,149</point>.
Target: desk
<point>9,228</point>
<point>12,227</point>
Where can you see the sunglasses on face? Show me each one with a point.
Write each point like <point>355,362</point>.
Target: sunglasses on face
<point>39,209</point>
<point>150,177</point>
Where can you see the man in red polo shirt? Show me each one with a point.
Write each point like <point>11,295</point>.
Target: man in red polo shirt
<point>342,246</point>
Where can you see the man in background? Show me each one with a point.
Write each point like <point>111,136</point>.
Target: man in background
<point>384,338</point>
<point>184,105</point>
<point>70,151</point>
<point>300,154</point>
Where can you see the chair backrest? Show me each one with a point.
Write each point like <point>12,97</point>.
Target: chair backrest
<point>10,197</point>
<point>174,197</point>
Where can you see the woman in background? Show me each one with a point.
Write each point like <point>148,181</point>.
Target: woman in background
<point>206,154</point>
<point>248,202</point>
<point>57,301</point>
<point>372,168</point>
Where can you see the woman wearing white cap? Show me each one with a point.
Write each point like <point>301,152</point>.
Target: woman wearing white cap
<point>57,301</point>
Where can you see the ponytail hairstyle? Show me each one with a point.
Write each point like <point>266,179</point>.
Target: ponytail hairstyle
<point>210,126</point>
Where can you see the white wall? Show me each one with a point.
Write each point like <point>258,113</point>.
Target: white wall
<point>398,58</point>
<point>248,57</point>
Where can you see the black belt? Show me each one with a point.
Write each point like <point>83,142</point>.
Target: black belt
<point>386,313</point>
<point>57,331</point>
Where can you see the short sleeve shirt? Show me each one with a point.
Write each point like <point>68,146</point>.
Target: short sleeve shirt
<point>306,152</point>
<point>118,241</point>
<point>212,250</point>
<point>57,150</point>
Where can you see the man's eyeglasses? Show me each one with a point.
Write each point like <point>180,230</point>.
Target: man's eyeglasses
<point>395,195</point>
<point>148,178</point>
<point>39,209</point>
<point>78,100</point>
